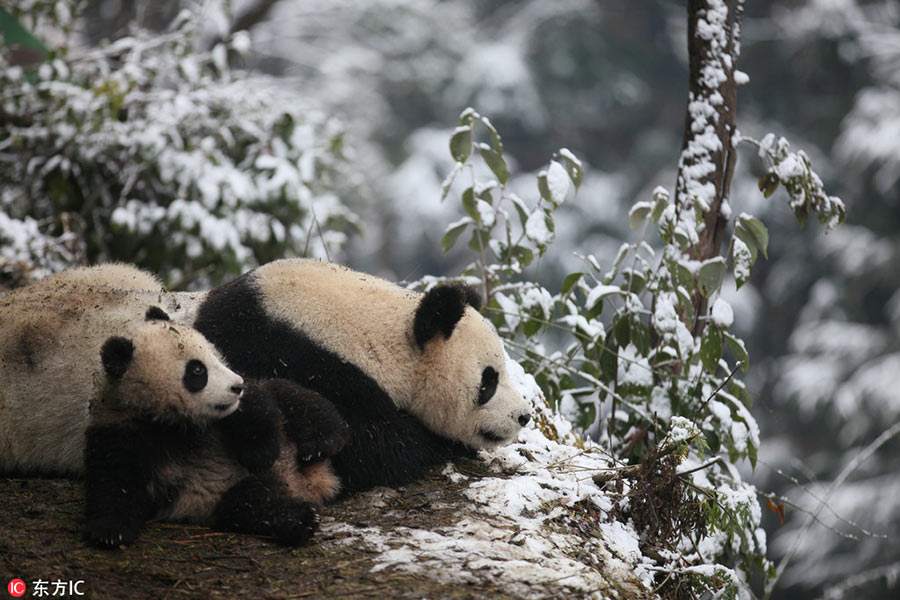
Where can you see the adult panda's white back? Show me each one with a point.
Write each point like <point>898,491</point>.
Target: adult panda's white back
<point>365,320</point>
<point>51,333</point>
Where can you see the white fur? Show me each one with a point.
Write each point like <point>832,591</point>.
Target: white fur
<point>369,322</point>
<point>51,333</point>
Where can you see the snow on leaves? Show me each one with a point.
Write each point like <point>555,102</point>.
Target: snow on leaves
<point>151,150</point>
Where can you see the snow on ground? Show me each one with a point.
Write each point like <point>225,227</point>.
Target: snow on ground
<point>510,531</point>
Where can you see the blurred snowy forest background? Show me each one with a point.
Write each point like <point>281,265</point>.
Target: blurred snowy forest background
<point>367,94</point>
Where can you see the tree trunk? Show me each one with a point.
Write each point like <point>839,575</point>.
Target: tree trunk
<point>707,155</point>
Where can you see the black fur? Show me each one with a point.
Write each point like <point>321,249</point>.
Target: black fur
<point>261,505</point>
<point>155,313</point>
<point>120,462</point>
<point>253,431</point>
<point>123,463</point>
<point>116,355</point>
<point>310,421</point>
<point>473,298</point>
<point>439,311</point>
<point>385,447</point>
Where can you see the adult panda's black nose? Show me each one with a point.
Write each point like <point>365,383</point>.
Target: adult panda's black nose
<point>523,419</point>
<point>237,389</point>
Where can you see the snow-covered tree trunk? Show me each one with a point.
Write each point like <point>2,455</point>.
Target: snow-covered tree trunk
<point>707,156</point>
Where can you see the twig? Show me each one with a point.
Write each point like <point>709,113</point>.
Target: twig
<point>702,407</point>
<point>705,465</point>
<point>854,464</point>
<point>800,485</point>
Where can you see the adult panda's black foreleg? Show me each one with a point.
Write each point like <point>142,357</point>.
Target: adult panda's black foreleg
<point>261,505</point>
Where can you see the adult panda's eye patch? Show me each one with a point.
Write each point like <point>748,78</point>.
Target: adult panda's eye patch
<point>489,378</point>
<point>195,376</point>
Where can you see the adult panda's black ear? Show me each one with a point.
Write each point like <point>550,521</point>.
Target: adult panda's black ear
<point>116,355</point>
<point>473,298</point>
<point>155,313</point>
<point>439,311</point>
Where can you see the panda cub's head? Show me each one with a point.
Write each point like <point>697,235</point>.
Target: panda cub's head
<point>170,372</point>
<point>463,390</point>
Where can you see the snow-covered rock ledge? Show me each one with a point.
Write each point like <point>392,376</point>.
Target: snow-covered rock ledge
<point>525,518</point>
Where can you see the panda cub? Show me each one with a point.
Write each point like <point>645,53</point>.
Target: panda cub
<point>176,435</point>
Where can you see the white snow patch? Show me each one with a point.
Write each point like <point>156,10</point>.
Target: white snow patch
<point>721,314</point>
<point>536,228</point>
<point>558,182</point>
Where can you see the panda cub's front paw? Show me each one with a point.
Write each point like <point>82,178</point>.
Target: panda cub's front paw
<point>259,457</point>
<point>253,431</point>
<point>296,523</point>
<point>311,422</point>
<point>106,534</point>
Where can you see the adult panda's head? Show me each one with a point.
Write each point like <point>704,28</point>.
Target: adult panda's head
<point>462,388</point>
<point>170,372</point>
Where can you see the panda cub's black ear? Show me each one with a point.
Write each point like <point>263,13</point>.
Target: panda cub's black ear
<point>155,313</point>
<point>116,355</point>
<point>440,310</point>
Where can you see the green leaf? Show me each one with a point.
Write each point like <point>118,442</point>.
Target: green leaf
<point>569,282</point>
<point>768,183</point>
<point>640,337</point>
<point>712,439</point>
<point>758,230</point>
<point>609,360</point>
<point>711,275</point>
<point>453,232</point>
<point>711,348</point>
<point>661,201</point>
<point>468,202</point>
<point>745,236</point>
<point>521,208</point>
<point>738,351</point>
<point>479,240</point>
<point>543,188</point>
<point>529,328</point>
<point>461,144</point>
<point>572,166</point>
<point>634,281</point>
<point>638,214</point>
<point>448,182</point>
<point>622,327</point>
<point>468,116</point>
<point>523,255</point>
<point>496,143</point>
<point>617,264</point>
<point>495,163</point>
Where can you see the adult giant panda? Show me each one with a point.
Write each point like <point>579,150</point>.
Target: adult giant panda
<point>176,435</point>
<point>419,378</point>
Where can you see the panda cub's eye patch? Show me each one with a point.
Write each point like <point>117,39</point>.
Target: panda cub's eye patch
<point>488,386</point>
<point>195,376</point>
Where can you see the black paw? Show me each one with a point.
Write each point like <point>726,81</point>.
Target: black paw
<point>108,535</point>
<point>311,422</point>
<point>253,431</point>
<point>259,456</point>
<point>295,523</point>
<point>319,444</point>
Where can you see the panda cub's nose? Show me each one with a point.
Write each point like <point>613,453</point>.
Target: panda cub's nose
<point>237,389</point>
<point>523,419</point>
